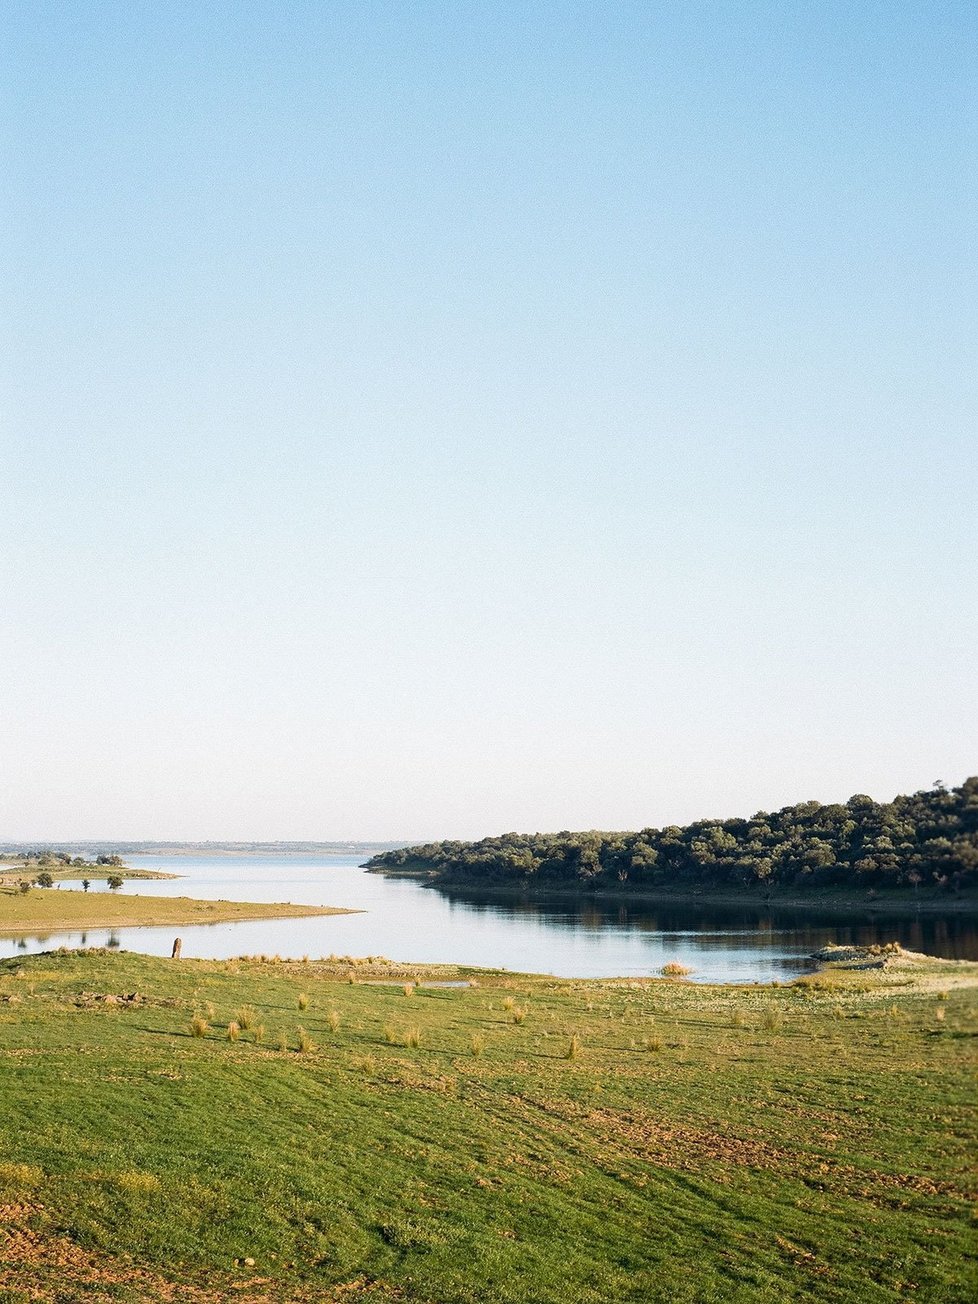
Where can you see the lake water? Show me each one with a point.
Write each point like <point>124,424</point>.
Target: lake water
<point>572,938</point>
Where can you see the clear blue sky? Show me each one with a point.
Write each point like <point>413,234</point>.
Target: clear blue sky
<point>430,419</point>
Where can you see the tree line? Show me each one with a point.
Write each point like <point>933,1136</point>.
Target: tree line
<point>928,841</point>
<point>59,859</point>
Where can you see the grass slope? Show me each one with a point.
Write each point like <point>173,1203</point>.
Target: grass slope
<point>49,909</point>
<point>525,1139</point>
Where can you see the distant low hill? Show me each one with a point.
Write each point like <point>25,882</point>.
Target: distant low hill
<point>925,842</point>
<point>108,847</point>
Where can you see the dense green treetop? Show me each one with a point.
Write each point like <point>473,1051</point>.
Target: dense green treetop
<point>925,841</point>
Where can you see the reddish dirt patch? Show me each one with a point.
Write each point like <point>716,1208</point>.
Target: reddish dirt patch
<point>672,1146</point>
<point>38,1267</point>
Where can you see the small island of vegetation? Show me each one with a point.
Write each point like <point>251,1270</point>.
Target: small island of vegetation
<point>922,847</point>
<point>46,865</point>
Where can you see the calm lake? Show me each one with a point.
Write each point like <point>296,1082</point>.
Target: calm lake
<point>405,921</point>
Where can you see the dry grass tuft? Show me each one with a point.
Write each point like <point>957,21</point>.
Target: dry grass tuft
<point>198,1026</point>
<point>135,1182</point>
<point>303,1001</point>
<point>675,970</point>
<point>234,1031</point>
<point>20,1175</point>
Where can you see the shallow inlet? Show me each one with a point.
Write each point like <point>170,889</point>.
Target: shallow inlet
<point>568,937</point>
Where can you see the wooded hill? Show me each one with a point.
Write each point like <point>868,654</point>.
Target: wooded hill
<point>925,842</point>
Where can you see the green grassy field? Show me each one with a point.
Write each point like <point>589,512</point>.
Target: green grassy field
<point>47,910</point>
<point>519,1140</point>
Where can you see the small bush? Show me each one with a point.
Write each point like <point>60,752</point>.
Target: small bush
<point>675,970</point>
<point>942,996</point>
<point>771,1021</point>
<point>198,1026</point>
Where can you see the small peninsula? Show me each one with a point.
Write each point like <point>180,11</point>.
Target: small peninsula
<point>51,910</point>
<point>30,899</point>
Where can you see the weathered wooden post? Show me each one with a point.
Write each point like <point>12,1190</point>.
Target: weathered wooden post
<point>177,943</point>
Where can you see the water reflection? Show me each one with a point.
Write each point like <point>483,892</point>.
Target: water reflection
<point>952,936</point>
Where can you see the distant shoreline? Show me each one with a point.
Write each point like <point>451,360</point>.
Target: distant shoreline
<point>284,853</point>
<point>18,850</point>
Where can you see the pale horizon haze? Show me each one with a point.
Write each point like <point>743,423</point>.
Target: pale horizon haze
<point>427,421</point>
